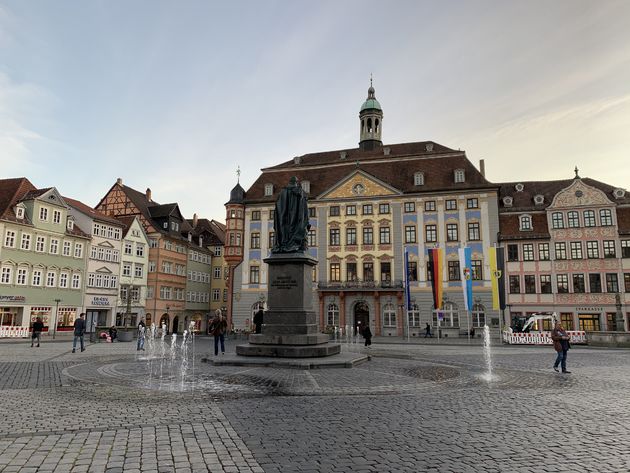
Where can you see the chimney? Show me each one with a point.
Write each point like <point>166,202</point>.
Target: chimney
<point>148,194</point>
<point>194,220</point>
<point>482,167</point>
<point>119,181</point>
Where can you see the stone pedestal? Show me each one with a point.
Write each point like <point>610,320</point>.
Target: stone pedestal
<point>290,328</point>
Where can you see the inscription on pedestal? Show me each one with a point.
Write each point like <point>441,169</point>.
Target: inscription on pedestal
<point>284,282</point>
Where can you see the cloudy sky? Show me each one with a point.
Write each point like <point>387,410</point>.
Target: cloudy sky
<point>174,95</point>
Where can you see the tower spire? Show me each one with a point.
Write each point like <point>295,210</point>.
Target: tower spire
<point>371,118</point>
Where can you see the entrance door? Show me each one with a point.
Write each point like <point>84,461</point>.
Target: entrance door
<point>175,324</point>
<point>361,316</point>
<point>91,320</point>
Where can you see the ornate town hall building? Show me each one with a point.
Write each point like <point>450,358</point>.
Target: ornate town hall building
<point>367,205</point>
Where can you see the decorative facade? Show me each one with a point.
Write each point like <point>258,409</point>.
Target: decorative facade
<point>369,205</point>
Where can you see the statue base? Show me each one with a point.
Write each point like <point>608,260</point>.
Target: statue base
<point>290,328</point>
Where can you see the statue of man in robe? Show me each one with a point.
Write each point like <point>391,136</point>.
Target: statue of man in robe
<point>290,222</point>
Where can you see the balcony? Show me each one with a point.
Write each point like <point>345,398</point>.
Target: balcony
<point>360,285</point>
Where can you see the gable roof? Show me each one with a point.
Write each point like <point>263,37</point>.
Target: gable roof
<point>11,192</point>
<point>214,228</point>
<point>90,212</point>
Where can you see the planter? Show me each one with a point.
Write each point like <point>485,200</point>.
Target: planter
<point>125,335</point>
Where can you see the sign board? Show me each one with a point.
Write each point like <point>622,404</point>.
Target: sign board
<point>12,299</point>
<point>100,301</point>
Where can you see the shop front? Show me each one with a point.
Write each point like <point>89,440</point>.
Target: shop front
<point>99,312</point>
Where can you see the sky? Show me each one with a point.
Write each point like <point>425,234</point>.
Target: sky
<point>176,95</point>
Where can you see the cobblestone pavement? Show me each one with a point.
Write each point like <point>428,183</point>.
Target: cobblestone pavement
<point>412,408</point>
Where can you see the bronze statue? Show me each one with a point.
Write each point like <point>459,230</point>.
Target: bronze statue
<point>290,222</point>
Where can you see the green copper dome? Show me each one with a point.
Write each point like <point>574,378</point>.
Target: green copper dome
<point>371,104</point>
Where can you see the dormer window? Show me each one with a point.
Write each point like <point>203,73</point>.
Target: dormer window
<point>19,213</point>
<point>70,223</point>
<point>619,193</point>
<point>460,175</point>
<point>539,199</point>
<point>174,226</point>
<point>165,225</point>
<point>418,179</point>
<point>306,185</point>
<point>525,223</point>
<point>507,201</point>
<point>268,190</point>
<point>519,187</point>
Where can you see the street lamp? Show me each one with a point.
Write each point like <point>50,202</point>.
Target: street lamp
<point>54,326</point>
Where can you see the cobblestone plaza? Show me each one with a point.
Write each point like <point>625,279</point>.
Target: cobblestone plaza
<point>411,408</point>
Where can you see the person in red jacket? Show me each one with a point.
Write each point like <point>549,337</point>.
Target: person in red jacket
<point>561,344</point>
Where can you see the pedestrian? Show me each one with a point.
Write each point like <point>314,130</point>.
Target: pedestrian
<point>218,328</point>
<point>79,332</point>
<point>258,321</point>
<point>113,333</point>
<point>38,328</point>
<point>367,334</point>
<point>427,331</point>
<point>142,327</point>
<point>561,344</point>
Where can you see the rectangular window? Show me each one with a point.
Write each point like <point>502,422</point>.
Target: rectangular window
<point>334,237</point>
<point>56,216</point>
<point>351,236</point>
<point>543,251</point>
<point>576,250</point>
<point>626,282</point>
<point>530,284</point>
<point>453,271</point>
<point>37,277</point>
<point>612,283</point>
<point>515,285</point>
<point>368,271</point>
<point>386,271</point>
<point>472,203</point>
<point>255,214</point>
<point>528,252</point>
<point>26,242</point>
<point>139,250</point>
<point>474,233</point>
<point>383,208</point>
<point>22,274</point>
<point>451,232</point>
<point>126,269</point>
<point>563,283</point>
<point>589,218</point>
<point>54,246</point>
<point>351,272</point>
<point>557,220</point>
<point>335,272</point>
<point>6,276</point>
<point>512,252</point>
<point>9,239</point>
<point>429,206</point>
<point>579,285</point>
<point>609,249</point>
<point>477,270</point>
<point>153,243</point>
<point>152,266</point>
<point>271,215</point>
<point>216,295</point>
<point>40,244</point>
<point>545,284</point>
<point>43,213</point>
<point>255,241</point>
<point>312,212</point>
<point>312,238</point>
<point>272,239</point>
<point>51,279</point>
<point>351,209</point>
<point>412,271</point>
<point>384,236</point>
<point>138,270</point>
<point>451,204</point>
<point>367,209</point>
<point>595,282</point>
<point>573,219</point>
<point>254,274</point>
<point>430,233</point>
<point>566,318</point>
<point>605,217</point>
<point>78,250</point>
<point>561,250</point>
<point>592,249</point>
<point>625,248</point>
<point>63,280</point>
<point>410,207</point>
<point>334,211</point>
<point>410,234</point>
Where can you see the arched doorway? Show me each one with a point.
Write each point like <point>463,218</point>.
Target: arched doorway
<point>361,316</point>
<point>175,324</point>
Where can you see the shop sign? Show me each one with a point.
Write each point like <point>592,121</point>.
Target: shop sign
<point>589,309</point>
<point>100,301</point>
<point>12,299</point>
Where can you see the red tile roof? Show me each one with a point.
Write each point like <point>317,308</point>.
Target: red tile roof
<point>11,192</point>
<point>90,212</point>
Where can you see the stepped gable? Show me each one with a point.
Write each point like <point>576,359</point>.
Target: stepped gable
<point>397,169</point>
<point>11,192</point>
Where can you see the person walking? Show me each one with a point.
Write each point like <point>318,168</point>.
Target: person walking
<point>142,327</point>
<point>38,328</point>
<point>561,344</point>
<point>427,331</point>
<point>218,328</point>
<point>258,321</point>
<point>367,334</point>
<point>79,332</point>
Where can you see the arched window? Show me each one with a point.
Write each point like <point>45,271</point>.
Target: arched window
<point>376,124</point>
<point>478,315</point>
<point>449,315</point>
<point>332,315</point>
<point>389,315</point>
<point>526,222</point>
<point>414,315</point>
<point>369,125</point>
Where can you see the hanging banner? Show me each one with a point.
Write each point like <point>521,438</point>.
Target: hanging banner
<point>465,266</point>
<point>435,271</point>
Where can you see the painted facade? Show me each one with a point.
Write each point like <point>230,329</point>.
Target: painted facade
<point>43,258</point>
<point>198,291</point>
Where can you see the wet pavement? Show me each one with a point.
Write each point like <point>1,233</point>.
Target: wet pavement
<point>411,408</point>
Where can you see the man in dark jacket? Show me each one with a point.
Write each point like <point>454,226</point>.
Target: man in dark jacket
<point>258,321</point>
<point>38,328</point>
<point>79,331</point>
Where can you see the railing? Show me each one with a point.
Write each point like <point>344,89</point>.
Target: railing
<point>358,284</point>
<point>540,338</point>
<point>14,332</point>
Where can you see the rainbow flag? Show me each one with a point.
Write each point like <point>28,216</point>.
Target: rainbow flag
<point>497,276</point>
<point>435,269</point>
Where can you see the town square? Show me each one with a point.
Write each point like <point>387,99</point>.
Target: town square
<point>338,236</point>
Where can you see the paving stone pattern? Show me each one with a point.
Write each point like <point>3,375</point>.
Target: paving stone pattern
<point>412,408</point>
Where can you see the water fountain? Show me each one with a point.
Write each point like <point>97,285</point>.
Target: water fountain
<point>487,355</point>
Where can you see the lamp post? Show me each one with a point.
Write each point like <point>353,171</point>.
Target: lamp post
<point>54,326</point>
